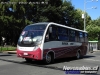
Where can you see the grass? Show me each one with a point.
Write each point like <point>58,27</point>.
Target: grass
<point>7,48</point>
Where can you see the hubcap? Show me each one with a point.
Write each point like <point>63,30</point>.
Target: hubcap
<point>78,55</point>
<point>48,58</point>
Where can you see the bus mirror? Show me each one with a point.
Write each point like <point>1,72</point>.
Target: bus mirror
<point>50,29</point>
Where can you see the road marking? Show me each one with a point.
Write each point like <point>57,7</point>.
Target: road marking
<point>92,59</point>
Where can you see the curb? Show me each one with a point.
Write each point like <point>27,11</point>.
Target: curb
<point>96,50</point>
<point>10,52</point>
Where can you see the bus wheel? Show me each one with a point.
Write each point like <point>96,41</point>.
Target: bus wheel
<point>49,58</point>
<point>28,60</point>
<point>78,55</point>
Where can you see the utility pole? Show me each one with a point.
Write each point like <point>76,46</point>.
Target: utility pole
<point>84,15</point>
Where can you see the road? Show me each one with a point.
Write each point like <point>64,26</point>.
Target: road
<point>10,64</point>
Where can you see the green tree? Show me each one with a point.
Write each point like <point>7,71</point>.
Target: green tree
<point>93,29</point>
<point>14,17</point>
<point>12,20</point>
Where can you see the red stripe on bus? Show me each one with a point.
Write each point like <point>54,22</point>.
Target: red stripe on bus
<point>65,51</point>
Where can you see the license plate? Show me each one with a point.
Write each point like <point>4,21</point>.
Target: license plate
<point>25,53</point>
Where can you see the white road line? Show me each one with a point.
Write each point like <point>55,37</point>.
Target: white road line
<point>92,59</point>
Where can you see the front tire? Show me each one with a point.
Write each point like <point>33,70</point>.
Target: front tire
<point>49,58</point>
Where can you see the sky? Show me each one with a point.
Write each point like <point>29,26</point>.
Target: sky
<point>93,13</point>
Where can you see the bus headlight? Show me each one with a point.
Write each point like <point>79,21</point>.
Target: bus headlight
<point>36,47</point>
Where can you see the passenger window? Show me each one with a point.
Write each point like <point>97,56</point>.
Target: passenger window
<point>71,35</point>
<point>77,36</point>
<point>81,35</point>
<point>63,34</point>
<point>54,35</point>
<point>86,37</point>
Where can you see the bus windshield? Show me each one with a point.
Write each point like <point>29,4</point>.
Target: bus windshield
<point>31,35</point>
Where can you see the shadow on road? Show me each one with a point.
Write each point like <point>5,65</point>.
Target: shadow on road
<point>3,54</point>
<point>41,64</point>
<point>34,63</point>
<point>88,56</point>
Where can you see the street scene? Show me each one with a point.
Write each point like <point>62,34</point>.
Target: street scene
<point>11,65</point>
<point>49,37</point>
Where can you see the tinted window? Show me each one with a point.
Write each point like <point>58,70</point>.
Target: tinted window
<point>81,35</point>
<point>63,34</point>
<point>71,35</point>
<point>86,37</point>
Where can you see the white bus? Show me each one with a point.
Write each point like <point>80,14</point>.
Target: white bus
<point>48,41</point>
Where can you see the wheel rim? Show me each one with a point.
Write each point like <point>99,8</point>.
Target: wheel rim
<point>48,58</point>
<point>78,55</point>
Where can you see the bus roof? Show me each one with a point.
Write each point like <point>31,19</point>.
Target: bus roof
<point>49,23</point>
<point>46,23</point>
<point>68,27</point>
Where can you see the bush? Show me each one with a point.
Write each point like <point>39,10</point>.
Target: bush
<point>7,48</point>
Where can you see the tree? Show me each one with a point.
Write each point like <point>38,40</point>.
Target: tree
<point>14,17</point>
<point>78,21</point>
<point>93,29</point>
<point>12,20</point>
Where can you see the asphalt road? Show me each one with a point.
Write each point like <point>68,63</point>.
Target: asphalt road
<point>10,64</point>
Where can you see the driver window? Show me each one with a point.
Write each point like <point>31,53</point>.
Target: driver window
<point>52,33</point>
<point>47,36</point>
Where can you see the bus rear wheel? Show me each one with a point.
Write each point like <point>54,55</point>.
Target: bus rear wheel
<point>78,55</point>
<point>28,60</point>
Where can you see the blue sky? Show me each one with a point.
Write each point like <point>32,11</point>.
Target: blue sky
<point>93,13</point>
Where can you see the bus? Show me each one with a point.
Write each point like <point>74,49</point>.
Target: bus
<point>48,41</point>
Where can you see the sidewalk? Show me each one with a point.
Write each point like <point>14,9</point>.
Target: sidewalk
<point>10,52</point>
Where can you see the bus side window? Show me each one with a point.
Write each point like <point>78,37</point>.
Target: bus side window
<point>62,34</point>
<point>76,36</point>
<point>67,35</point>
<point>83,40</point>
<point>86,37</point>
<point>81,35</point>
<point>71,35</point>
<point>54,34</point>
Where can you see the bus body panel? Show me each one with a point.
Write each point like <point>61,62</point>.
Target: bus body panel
<point>63,49</point>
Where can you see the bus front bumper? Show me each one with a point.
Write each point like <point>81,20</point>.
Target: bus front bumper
<point>35,55</point>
